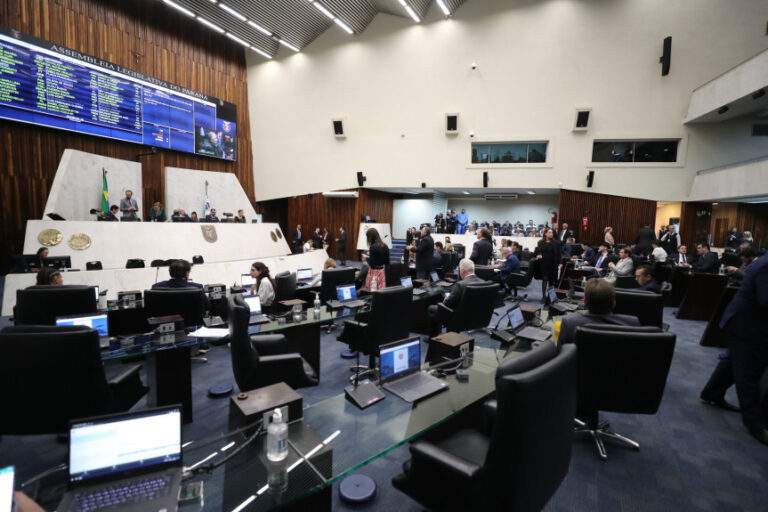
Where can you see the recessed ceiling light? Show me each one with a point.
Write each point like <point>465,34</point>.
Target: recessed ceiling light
<point>259,28</point>
<point>323,10</point>
<point>179,8</point>
<point>235,38</point>
<point>443,7</point>
<point>344,26</point>
<point>262,53</point>
<point>287,45</point>
<point>233,12</point>
<point>211,25</point>
<point>532,192</point>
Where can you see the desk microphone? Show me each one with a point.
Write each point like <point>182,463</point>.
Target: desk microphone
<point>157,272</point>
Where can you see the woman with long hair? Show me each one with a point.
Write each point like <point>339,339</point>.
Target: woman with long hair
<point>608,238</point>
<point>264,285</point>
<point>548,255</point>
<point>378,259</point>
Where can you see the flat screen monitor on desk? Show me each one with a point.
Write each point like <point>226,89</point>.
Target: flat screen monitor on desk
<point>304,274</point>
<point>187,302</point>
<point>58,262</point>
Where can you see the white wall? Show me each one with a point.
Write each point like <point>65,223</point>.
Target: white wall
<point>526,207</point>
<point>78,184</point>
<point>407,213</point>
<point>185,188</point>
<point>537,61</point>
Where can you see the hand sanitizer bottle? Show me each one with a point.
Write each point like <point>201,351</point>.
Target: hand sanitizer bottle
<point>277,438</point>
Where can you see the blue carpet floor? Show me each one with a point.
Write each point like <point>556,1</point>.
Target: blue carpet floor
<point>692,458</point>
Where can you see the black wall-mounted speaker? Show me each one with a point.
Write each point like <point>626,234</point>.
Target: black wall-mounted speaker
<point>666,56</point>
<point>451,122</point>
<point>423,185</point>
<point>485,179</point>
<point>590,178</point>
<point>582,119</point>
<point>360,178</point>
<point>338,127</point>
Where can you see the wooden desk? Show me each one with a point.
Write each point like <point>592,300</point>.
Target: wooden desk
<point>702,296</point>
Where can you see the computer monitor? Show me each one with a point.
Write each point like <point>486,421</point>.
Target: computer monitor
<point>333,277</point>
<point>58,262</point>
<point>40,305</point>
<point>254,304</point>
<point>399,357</point>
<point>304,274</point>
<point>346,292</point>
<point>187,302</point>
<point>515,316</point>
<point>98,322</point>
<point>406,281</point>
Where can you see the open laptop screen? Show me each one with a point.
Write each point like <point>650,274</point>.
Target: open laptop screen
<point>100,447</point>
<point>346,292</point>
<point>434,276</point>
<point>6,489</point>
<point>96,291</point>
<point>97,321</point>
<point>515,316</point>
<point>552,295</point>
<point>400,357</point>
<point>406,281</point>
<point>304,274</point>
<point>246,280</point>
<point>254,304</point>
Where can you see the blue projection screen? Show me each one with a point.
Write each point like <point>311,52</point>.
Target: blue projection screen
<point>53,86</point>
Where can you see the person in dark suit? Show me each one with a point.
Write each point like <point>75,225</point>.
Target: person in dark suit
<point>179,272</point>
<point>341,246</point>
<point>467,278</point>
<point>602,258</point>
<point>297,239</point>
<point>423,252</point>
<point>564,234</point>
<point>437,256</point>
<point>681,258</point>
<point>317,239</point>
<point>734,238</point>
<point>588,254</point>
<point>511,265</point>
<point>482,251</point>
<point>706,262</point>
<point>746,322</point>
<point>643,240</point>
<point>600,299</point>
<point>670,241</point>
<point>410,235</point>
<point>548,254</point>
<point>239,218</point>
<point>645,280</point>
<point>181,216</point>
<point>211,217</point>
<point>111,215</point>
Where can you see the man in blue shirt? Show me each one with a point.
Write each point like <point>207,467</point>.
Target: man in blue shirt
<point>511,265</point>
<point>463,219</point>
<point>588,253</point>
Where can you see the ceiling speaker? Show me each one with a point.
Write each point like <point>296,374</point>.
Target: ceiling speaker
<point>666,56</point>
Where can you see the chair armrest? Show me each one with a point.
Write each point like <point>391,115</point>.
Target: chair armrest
<point>490,410</point>
<point>424,453</point>
<point>355,324</point>
<point>443,309</point>
<point>279,358</point>
<point>353,329</point>
<point>129,372</point>
<point>268,344</point>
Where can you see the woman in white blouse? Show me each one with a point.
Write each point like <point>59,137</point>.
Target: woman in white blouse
<point>264,285</point>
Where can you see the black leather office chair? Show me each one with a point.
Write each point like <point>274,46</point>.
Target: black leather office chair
<point>40,305</point>
<point>485,272</point>
<point>393,272</point>
<point>517,465</point>
<point>157,263</point>
<point>93,265</point>
<point>460,251</point>
<point>522,280</point>
<point>198,259</point>
<point>134,263</point>
<point>388,320</point>
<point>620,370</point>
<point>648,307</point>
<point>333,277</point>
<point>187,302</point>
<point>626,282</point>
<point>261,360</point>
<point>474,311</point>
<point>51,375</point>
<point>285,286</point>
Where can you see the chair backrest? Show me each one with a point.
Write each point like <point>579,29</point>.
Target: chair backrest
<point>49,376</point>
<point>460,251</point>
<point>157,263</point>
<point>134,263</point>
<point>40,305</point>
<point>333,277</point>
<point>527,361</point>
<point>244,357</point>
<point>93,265</point>
<point>484,272</point>
<point>623,370</point>
<point>390,316</point>
<point>450,262</point>
<point>648,307</point>
<point>285,286</point>
<point>475,308</point>
<point>198,259</point>
<point>393,273</point>
<point>626,282</point>
<point>730,259</point>
<point>527,460</point>
<point>187,302</point>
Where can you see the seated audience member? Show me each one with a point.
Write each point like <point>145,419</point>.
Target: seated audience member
<point>318,279</point>
<point>600,299</point>
<point>658,253</point>
<point>747,237</point>
<point>736,275</point>
<point>264,286</point>
<point>180,216</point>
<point>706,262</point>
<point>193,217</point>
<point>111,215</point>
<point>587,254</point>
<point>240,217</point>
<point>602,258</point>
<point>48,275</point>
<point>621,268</point>
<point>681,258</point>
<point>211,217</point>
<point>179,272</point>
<point>41,254</point>
<point>467,277</point>
<point>437,256</point>
<point>645,280</point>
<point>511,265</point>
<point>448,244</point>
<point>157,213</point>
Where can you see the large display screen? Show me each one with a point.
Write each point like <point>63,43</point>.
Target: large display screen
<point>50,85</point>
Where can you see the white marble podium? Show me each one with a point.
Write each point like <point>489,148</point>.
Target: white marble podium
<point>383,229</point>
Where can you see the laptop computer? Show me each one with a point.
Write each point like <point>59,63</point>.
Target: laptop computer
<point>246,281</point>
<point>254,304</point>
<point>518,328</point>
<point>6,489</point>
<point>407,281</point>
<point>97,321</point>
<point>304,275</point>
<point>347,297</point>
<point>401,374</point>
<point>125,462</point>
<point>436,280</point>
<point>559,305</point>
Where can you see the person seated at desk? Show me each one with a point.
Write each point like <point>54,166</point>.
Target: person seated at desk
<point>240,217</point>
<point>448,245</point>
<point>587,254</point>
<point>645,280</point>
<point>658,253</point>
<point>736,275</point>
<point>437,255</point>
<point>621,268</point>
<point>467,277</point>
<point>157,213</point>
<point>181,216</point>
<point>600,299</point>
<point>179,272</point>
<point>706,262</point>
<point>48,275</point>
<point>516,250</point>
<point>193,217</point>
<point>511,265</point>
<point>318,279</point>
<point>211,217</point>
<point>264,286</point>
<point>602,258</point>
<point>682,259</point>
<point>41,254</point>
<point>111,215</point>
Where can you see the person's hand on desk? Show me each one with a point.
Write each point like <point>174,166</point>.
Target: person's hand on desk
<point>731,269</point>
<point>25,504</point>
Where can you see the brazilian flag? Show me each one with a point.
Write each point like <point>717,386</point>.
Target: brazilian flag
<point>104,193</point>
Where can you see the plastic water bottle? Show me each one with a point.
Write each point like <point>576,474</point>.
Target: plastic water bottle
<point>721,271</point>
<point>277,438</point>
<point>317,303</point>
<point>583,282</point>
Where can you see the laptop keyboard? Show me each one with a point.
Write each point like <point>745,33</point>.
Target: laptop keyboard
<point>407,383</point>
<point>534,333</point>
<point>111,496</point>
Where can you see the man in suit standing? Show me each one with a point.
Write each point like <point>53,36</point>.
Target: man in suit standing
<point>746,322</point>
<point>706,262</point>
<point>317,239</point>
<point>670,242</point>
<point>129,206</point>
<point>483,248</point>
<point>621,268</point>
<point>462,220</point>
<point>297,239</point>
<point>211,217</point>
<point>644,239</point>
<point>564,234</point>
<point>423,252</point>
<point>341,246</point>
<point>600,299</point>
<point>734,238</point>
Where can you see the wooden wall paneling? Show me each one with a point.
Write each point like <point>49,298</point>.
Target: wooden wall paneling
<point>625,215</point>
<point>724,215</point>
<point>695,223</point>
<point>173,48</point>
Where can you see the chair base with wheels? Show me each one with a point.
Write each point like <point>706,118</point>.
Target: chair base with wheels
<point>603,430</point>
